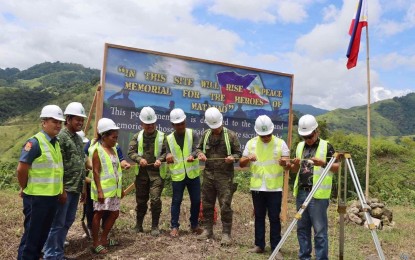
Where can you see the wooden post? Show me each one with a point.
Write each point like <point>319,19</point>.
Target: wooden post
<point>91,110</point>
<point>284,206</point>
<point>368,114</point>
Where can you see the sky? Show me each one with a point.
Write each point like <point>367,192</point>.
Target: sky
<point>306,38</point>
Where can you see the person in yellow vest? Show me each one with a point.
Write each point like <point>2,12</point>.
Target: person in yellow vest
<point>148,149</point>
<point>106,185</point>
<point>40,176</point>
<point>263,154</point>
<point>312,156</point>
<point>184,168</point>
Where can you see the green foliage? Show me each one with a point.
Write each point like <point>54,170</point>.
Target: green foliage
<point>14,102</point>
<point>243,178</point>
<point>8,178</point>
<point>391,175</point>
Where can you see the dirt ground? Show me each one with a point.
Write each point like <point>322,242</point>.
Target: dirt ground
<point>396,243</point>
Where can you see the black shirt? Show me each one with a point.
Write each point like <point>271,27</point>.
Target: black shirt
<point>306,168</point>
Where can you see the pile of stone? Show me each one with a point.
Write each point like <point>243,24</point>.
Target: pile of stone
<point>381,216</point>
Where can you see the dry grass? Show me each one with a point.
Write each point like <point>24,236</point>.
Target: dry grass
<point>396,243</point>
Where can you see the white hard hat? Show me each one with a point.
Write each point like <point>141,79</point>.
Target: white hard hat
<point>177,115</point>
<point>52,111</point>
<point>106,124</point>
<point>82,135</point>
<point>263,125</point>
<point>306,125</point>
<point>213,118</point>
<point>148,116</point>
<point>75,109</point>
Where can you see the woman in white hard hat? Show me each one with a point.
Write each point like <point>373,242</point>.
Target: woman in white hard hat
<point>106,190</point>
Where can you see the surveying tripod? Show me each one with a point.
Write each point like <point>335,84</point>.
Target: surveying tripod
<point>344,159</point>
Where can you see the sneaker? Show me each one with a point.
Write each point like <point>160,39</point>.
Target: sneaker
<point>174,232</point>
<point>256,250</point>
<point>155,232</point>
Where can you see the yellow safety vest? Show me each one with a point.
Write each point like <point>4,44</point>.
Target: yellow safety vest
<point>266,166</point>
<point>158,143</point>
<point>110,186</point>
<point>225,134</point>
<point>46,172</point>
<point>324,191</point>
<point>181,166</point>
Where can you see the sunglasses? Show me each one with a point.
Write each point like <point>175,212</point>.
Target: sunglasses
<point>265,136</point>
<point>308,136</point>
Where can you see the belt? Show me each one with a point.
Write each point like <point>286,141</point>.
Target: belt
<point>306,188</point>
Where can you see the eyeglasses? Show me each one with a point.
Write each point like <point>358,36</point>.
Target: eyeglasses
<point>308,136</point>
<point>265,136</point>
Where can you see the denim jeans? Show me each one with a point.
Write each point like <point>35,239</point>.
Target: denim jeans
<point>63,220</point>
<point>263,202</point>
<point>193,187</point>
<point>39,212</point>
<point>314,216</point>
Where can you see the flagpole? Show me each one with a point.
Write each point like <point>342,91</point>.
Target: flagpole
<point>368,113</point>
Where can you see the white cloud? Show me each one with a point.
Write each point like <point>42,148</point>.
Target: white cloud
<point>32,32</point>
<point>270,11</point>
<point>330,13</point>
<point>253,10</point>
<point>394,60</point>
<point>76,31</point>
<point>291,11</point>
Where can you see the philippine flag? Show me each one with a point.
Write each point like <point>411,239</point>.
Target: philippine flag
<point>358,22</point>
<point>247,86</point>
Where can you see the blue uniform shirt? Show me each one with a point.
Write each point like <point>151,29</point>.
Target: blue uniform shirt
<point>31,150</point>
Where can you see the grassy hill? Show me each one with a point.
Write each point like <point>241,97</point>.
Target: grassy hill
<point>24,93</point>
<point>391,117</point>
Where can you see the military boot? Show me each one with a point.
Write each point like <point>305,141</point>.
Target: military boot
<point>207,233</point>
<point>226,235</point>
<point>139,225</point>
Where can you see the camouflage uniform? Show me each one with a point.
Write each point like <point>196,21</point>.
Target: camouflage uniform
<point>148,182</point>
<point>72,149</point>
<point>218,178</point>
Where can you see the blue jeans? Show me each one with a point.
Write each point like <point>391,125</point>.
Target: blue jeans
<point>65,216</point>
<point>193,187</point>
<point>39,212</point>
<point>314,216</point>
<point>263,202</point>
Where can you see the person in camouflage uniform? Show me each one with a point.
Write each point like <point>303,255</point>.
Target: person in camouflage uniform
<point>219,147</point>
<point>73,179</point>
<point>148,149</point>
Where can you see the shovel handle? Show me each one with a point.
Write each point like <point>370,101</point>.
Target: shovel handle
<point>129,188</point>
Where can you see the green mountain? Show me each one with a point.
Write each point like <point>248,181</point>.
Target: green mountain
<point>24,91</point>
<point>391,117</point>
<point>308,109</point>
